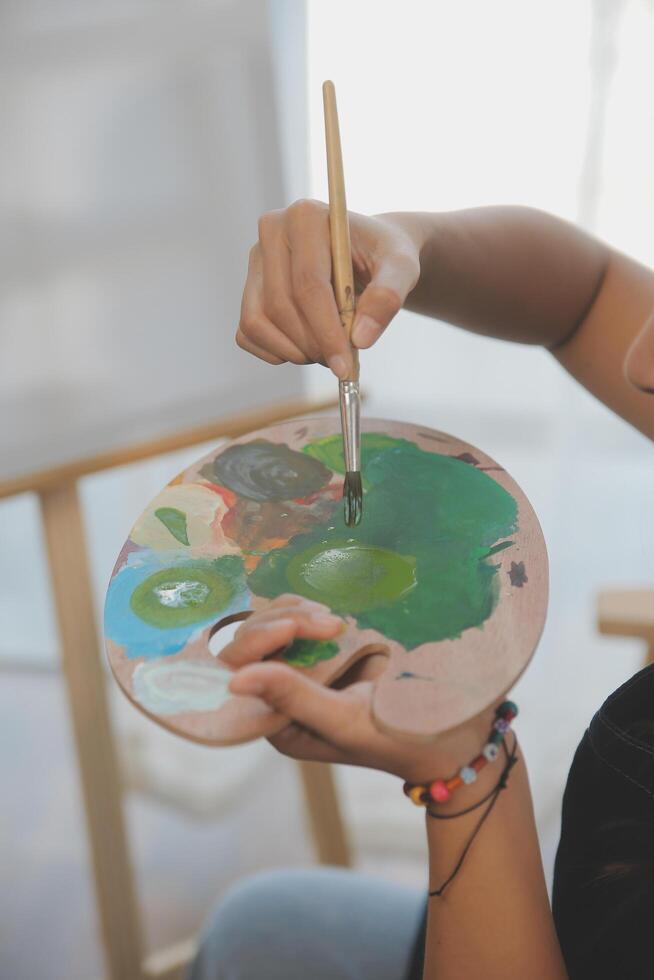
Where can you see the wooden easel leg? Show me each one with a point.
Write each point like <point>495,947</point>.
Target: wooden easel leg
<point>324,813</point>
<point>96,754</point>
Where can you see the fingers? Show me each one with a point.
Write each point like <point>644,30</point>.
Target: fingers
<point>329,714</point>
<point>276,289</point>
<point>392,281</point>
<point>299,743</point>
<point>313,294</point>
<point>256,332</point>
<point>289,311</point>
<point>276,627</point>
<point>259,352</point>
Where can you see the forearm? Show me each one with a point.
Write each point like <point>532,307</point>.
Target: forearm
<point>508,272</point>
<point>494,919</point>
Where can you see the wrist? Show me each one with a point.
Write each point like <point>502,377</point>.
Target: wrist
<point>451,750</point>
<point>478,760</point>
<point>472,795</point>
<point>410,223</point>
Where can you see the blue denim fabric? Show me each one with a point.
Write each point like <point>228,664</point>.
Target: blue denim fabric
<point>313,924</point>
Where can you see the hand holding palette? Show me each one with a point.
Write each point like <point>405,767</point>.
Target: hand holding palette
<point>446,574</point>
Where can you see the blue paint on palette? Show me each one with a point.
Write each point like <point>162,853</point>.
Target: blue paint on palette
<point>156,601</point>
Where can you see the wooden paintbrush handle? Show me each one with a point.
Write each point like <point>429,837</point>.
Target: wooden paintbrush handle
<point>339,228</point>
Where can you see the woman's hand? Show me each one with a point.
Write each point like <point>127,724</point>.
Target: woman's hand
<point>289,313</point>
<point>335,725</point>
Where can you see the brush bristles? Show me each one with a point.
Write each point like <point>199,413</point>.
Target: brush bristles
<point>352,498</point>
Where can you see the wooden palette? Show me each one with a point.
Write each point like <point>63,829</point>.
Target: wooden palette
<point>447,573</point>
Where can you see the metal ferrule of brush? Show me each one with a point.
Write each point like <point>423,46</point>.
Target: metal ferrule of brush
<point>351,424</point>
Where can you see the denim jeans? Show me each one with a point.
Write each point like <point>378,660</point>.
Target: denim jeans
<point>313,924</point>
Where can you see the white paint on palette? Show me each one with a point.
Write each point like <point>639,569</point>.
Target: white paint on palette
<point>170,688</point>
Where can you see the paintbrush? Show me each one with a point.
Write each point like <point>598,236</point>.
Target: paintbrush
<point>343,282</point>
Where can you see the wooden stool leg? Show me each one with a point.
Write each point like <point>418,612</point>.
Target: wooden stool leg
<point>96,754</point>
<point>324,812</point>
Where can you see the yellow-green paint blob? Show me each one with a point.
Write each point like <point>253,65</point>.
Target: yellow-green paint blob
<point>185,594</point>
<point>351,578</point>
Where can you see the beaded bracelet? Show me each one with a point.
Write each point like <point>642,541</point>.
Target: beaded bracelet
<point>491,799</point>
<point>440,790</point>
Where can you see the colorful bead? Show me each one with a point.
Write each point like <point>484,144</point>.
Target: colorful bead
<point>439,791</point>
<point>491,751</point>
<point>416,795</point>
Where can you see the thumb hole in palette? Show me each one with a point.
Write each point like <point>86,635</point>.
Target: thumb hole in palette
<point>224,632</point>
<point>371,664</point>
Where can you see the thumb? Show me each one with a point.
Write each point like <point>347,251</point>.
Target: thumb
<point>383,297</point>
<point>327,713</point>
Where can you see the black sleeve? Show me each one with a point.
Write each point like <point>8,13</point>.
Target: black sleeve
<point>603,896</point>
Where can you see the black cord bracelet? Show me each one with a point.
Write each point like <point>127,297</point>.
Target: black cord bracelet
<point>511,759</point>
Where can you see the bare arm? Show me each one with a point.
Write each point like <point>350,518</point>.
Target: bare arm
<point>508,272</point>
<point>526,276</point>
<point>494,919</point>
<point>597,352</point>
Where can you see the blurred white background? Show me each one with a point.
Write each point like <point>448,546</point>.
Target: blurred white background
<point>442,106</point>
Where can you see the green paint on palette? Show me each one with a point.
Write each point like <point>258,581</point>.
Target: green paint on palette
<point>351,578</point>
<point>498,547</point>
<point>306,653</point>
<point>423,572</point>
<point>329,451</point>
<point>175,521</point>
<point>188,593</point>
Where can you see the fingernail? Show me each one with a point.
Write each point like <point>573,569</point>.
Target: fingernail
<point>365,331</point>
<point>325,619</point>
<point>273,624</point>
<point>338,365</point>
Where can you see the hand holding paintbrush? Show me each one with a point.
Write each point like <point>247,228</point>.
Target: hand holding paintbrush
<point>343,282</point>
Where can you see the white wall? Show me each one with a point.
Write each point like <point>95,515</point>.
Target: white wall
<point>139,144</point>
